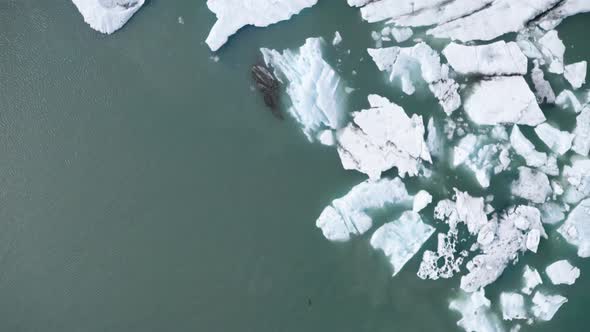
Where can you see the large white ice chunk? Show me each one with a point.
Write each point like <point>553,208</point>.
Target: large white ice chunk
<point>576,229</point>
<point>501,17</point>
<point>545,306</point>
<point>562,272</point>
<point>383,137</point>
<point>315,89</point>
<point>401,239</point>
<point>502,100</point>
<point>512,306</point>
<point>581,143</point>
<point>476,314</point>
<point>531,279</point>
<point>531,185</point>
<point>499,58</point>
<point>232,15</point>
<point>543,89</point>
<point>566,8</point>
<point>526,149</point>
<point>349,215</point>
<point>557,140</point>
<point>576,74</point>
<point>421,200</point>
<point>577,177</point>
<point>553,49</point>
<point>107,16</point>
<point>404,63</point>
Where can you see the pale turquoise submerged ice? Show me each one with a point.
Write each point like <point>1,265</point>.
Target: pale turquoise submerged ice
<point>145,187</point>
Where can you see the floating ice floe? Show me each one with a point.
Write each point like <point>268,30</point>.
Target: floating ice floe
<point>562,272</point>
<point>565,9</point>
<point>531,185</point>
<point>499,58</point>
<point>337,38</point>
<point>552,213</point>
<point>553,50</point>
<point>349,215</point>
<point>531,279</point>
<point>546,306</point>
<point>567,99</point>
<point>543,89</point>
<point>232,15</point>
<point>512,305</point>
<point>369,145</point>
<point>315,89</point>
<point>581,142</point>
<point>503,100</point>
<point>401,34</point>
<point>476,313</point>
<point>499,18</point>
<point>576,229</point>
<point>575,74</point>
<point>401,239</point>
<point>533,158</point>
<point>400,63</point>
<point>107,16</point>
<point>577,177</point>
<point>558,141</point>
<point>421,200</point>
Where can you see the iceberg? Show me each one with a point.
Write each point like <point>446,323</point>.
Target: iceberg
<point>566,99</point>
<point>476,313</point>
<point>576,228</point>
<point>401,34</point>
<point>371,146</point>
<point>558,141</point>
<point>581,142</point>
<point>349,215</point>
<point>553,49</point>
<point>575,74</point>
<point>526,149</point>
<point>499,58</point>
<point>531,185</point>
<point>315,89</point>
<point>232,15</point>
<point>543,89</point>
<point>399,62</point>
<point>503,100</point>
<point>531,279</point>
<point>107,16</point>
<point>577,176</point>
<point>337,38</point>
<point>421,200</point>
<point>562,272</point>
<point>546,306</point>
<point>512,305</point>
<point>400,240</point>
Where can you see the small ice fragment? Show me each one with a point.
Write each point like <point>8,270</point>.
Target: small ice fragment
<point>562,272</point>
<point>401,239</point>
<point>476,314</point>
<point>326,137</point>
<point>576,229</point>
<point>552,213</point>
<point>337,38</point>
<point>531,185</point>
<point>421,200</point>
<point>532,240</point>
<point>180,20</point>
<point>531,279</point>
<point>566,98</point>
<point>545,306</point>
<point>576,74</point>
<point>401,34</point>
<point>557,140</point>
<point>512,306</point>
<point>553,49</point>
<point>543,89</point>
<point>107,16</point>
<point>526,149</point>
<point>581,143</point>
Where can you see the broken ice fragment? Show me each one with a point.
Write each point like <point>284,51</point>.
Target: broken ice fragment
<point>531,185</point>
<point>476,314</point>
<point>557,140</point>
<point>531,279</point>
<point>382,137</point>
<point>107,16</point>
<point>401,239</point>
<point>512,306</point>
<point>543,89</point>
<point>576,74</point>
<point>401,34</point>
<point>581,143</point>
<point>421,200</point>
<point>526,149</point>
<point>315,89</point>
<point>566,98</point>
<point>337,38</point>
<point>562,272</point>
<point>232,15</point>
<point>499,58</point>
<point>576,229</point>
<point>348,215</point>
<point>503,100</point>
<point>545,306</point>
<point>553,49</point>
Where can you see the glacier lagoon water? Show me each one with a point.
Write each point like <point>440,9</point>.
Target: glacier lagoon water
<point>145,187</point>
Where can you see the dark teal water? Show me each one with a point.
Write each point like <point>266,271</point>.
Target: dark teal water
<point>145,187</point>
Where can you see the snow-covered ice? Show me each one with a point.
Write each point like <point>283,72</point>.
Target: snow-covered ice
<point>107,16</point>
<point>546,306</point>
<point>337,38</point>
<point>558,141</point>
<point>476,313</point>
<point>401,239</point>
<point>531,185</point>
<point>531,279</point>
<point>499,58</point>
<point>543,89</point>
<point>553,50</point>
<point>512,305</point>
<point>562,272</point>
<point>576,228</point>
<point>575,74</point>
<point>232,15</point>
<point>401,34</point>
<point>526,149</point>
<point>421,200</point>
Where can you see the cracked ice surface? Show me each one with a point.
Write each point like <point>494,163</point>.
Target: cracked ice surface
<point>232,15</point>
<point>401,239</point>
<point>372,148</point>
<point>499,58</point>
<point>315,89</point>
<point>349,215</point>
<point>503,100</point>
<point>107,16</point>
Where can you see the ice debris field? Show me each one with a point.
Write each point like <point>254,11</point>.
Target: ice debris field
<point>486,63</point>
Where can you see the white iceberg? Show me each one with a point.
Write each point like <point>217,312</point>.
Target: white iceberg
<point>562,272</point>
<point>232,15</point>
<point>531,279</point>
<point>107,16</point>
<point>576,229</point>
<point>503,100</point>
<point>315,89</point>
<point>576,74</point>
<point>546,306</point>
<point>553,50</point>
<point>421,200</point>
<point>526,149</point>
<point>499,58</point>
<point>567,99</point>
<point>383,137</point>
<point>512,305</point>
<point>337,38</point>
<point>400,63</point>
<point>476,313</point>
<point>543,89</point>
<point>558,141</point>
<point>349,215</point>
<point>581,142</point>
<point>531,185</point>
<point>401,239</point>
<point>401,34</point>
